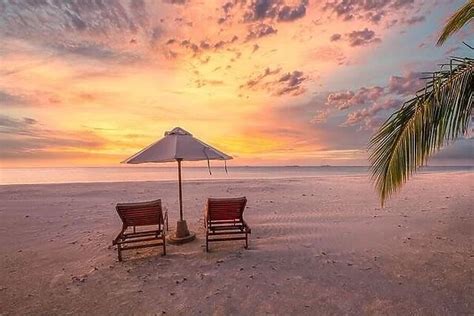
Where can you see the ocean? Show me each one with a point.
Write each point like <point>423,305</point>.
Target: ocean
<point>146,173</point>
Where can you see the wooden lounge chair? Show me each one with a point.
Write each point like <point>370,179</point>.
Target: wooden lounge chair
<point>134,215</point>
<point>223,219</point>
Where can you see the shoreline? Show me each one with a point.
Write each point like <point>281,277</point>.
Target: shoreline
<point>362,175</point>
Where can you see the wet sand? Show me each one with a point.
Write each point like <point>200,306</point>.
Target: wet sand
<point>319,245</point>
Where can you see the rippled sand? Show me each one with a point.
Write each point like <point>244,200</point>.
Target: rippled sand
<point>318,246</point>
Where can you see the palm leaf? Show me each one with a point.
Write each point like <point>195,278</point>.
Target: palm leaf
<point>436,116</point>
<point>457,21</point>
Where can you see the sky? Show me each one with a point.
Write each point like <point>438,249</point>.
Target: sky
<point>270,82</point>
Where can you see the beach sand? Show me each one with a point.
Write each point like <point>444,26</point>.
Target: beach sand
<point>319,245</point>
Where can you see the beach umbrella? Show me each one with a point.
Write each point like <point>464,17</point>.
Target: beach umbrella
<point>178,145</point>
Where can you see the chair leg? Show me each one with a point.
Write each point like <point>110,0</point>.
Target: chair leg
<point>246,241</point>
<point>207,241</point>
<point>119,249</point>
<point>164,245</point>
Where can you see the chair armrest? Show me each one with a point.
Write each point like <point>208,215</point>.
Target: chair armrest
<point>165,218</point>
<point>119,236</point>
<point>246,226</point>
<point>206,216</point>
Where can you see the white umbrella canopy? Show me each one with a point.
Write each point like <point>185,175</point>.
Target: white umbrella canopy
<point>178,145</point>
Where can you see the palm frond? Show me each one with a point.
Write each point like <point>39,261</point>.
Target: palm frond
<point>457,21</point>
<point>437,115</point>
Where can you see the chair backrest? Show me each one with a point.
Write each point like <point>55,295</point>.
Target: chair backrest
<point>225,208</point>
<point>140,213</point>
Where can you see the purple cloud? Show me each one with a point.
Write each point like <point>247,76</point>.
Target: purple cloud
<point>10,99</point>
<point>367,116</point>
<point>258,79</point>
<point>346,99</point>
<point>406,85</point>
<point>290,83</point>
<point>260,30</point>
<point>320,117</point>
<point>362,38</point>
<point>288,13</point>
<point>414,20</point>
<point>372,11</point>
<point>335,37</point>
<point>26,137</point>
<point>274,9</point>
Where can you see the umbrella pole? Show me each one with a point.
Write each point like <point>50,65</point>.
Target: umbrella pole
<point>182,234</point>
<point>180,191</point>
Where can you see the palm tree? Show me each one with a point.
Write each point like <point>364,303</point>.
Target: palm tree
<point>436,116</point>
<point>457,21</point>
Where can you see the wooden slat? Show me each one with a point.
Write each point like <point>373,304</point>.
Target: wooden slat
<point>224,219</point>
<point>141,213</point>
<point>225,208</point>
<point>128,241</point>
<point>227,227</point>
<point>142,234</point>
<point>227,233</point>
<point>135,215</point>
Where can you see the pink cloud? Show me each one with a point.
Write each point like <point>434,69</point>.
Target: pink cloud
<point>405,85</point>
<point>346,99</point>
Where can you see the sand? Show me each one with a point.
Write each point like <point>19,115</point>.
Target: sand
<point>319,245</point>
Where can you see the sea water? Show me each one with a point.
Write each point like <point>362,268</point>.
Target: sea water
<point>157,173</point>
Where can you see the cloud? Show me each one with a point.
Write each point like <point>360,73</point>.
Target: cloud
<point>258,10</point>
<point>20,137</point>
<point>307,127</point>
<point>288,13</point>
<point>290,83</point>
<point>372,11</point>
<point>9,99</point>
<point>259,78</point>
<point>335,37</point>
<point>91,29</point>
<point>189,45</point>
<point>373,100</point>
<point>208,82</point>
<point>329,54</point>
<point>261,9</point>
<point>414,20</point>
<point>204,45</point>
<point>407,84</point>
<point>362,38</point>
<point>260,30</point>
<point>320,117</point>
<point>357,38</point>
<point>176,46</point>
<point>371,103</point>
<point>96,51</point>
<point>346,99</point>
<point>226,7</point>
<point>9,125</point>
<point>179,2</point>
<point>367,116</point>
<point>342,99</point>
<point>22,17</point>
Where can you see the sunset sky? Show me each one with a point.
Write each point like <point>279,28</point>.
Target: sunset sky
<point>270,82</point>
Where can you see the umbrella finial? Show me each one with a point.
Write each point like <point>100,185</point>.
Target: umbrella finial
<point>178,131</point>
